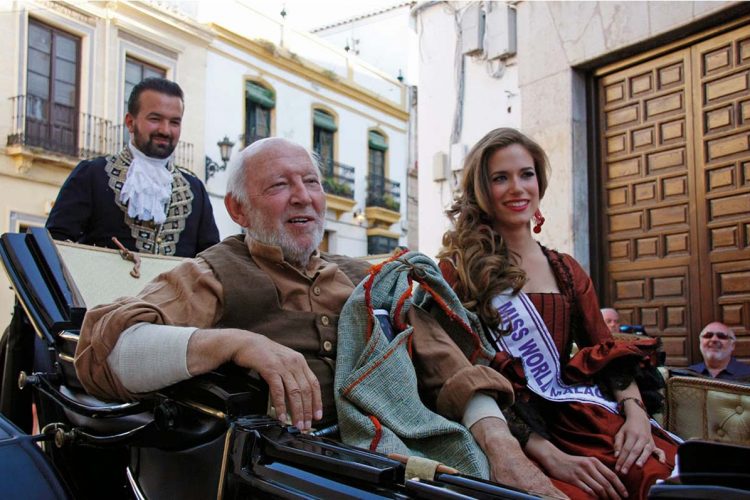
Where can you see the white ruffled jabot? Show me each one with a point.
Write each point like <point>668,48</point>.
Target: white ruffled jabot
<point>148,187</point>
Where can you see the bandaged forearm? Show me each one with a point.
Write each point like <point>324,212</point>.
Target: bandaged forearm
<point>148,357</point>
<point>480,406</point>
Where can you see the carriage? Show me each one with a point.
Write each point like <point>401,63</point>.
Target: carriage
<point>208,437</point>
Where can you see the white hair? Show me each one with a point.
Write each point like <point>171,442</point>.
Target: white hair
<point>240,164</point>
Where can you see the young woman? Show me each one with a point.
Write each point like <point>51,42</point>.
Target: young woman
<point>593,440</point>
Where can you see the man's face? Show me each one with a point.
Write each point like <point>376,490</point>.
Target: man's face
<point>612,319</point>
<point>717,344</point>
<point>155,129</point>
<point>286,204</point>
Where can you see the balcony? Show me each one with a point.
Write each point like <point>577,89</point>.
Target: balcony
<point>63,135</point>
<point>338,184</point>
<point>383,203</point>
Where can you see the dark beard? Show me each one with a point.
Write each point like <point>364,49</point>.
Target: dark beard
<point>156,150</point>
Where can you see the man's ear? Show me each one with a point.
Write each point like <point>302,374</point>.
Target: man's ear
<point>236,210</point>
<point>129,120</point>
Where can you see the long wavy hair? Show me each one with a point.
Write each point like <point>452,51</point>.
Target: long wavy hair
<point>484,266</point>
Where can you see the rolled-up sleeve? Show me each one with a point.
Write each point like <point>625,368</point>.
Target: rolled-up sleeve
<point>188,296</point>
<point>448,380</point>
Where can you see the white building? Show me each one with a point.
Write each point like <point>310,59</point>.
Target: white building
<point>642,108</point>
<point>273,80</point>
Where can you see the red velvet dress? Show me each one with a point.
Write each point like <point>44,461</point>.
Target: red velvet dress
<point>578,428</point>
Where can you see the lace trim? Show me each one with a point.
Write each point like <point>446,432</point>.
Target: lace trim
<point>149,237</point>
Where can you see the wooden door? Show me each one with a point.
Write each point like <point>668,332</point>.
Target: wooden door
<point>675,176</point>
<point>721,104</point>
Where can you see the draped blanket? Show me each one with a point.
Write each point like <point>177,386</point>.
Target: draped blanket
<point>375,385</point>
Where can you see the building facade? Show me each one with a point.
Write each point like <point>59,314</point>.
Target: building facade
<point>276,81</point>
<point>71,66</point>
<point>642,109</point>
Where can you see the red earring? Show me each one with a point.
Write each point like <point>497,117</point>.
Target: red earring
<point>538,221</point>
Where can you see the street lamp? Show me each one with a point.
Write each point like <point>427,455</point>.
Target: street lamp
<point>225,151</point>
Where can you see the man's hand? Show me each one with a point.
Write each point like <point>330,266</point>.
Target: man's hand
<point>587,473</point>
<point>285,371</point>
<point>508,463</point>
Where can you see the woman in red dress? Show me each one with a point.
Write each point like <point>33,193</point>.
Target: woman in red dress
<point>588,450</point>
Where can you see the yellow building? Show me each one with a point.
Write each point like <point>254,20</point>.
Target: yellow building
<point>68,69</point>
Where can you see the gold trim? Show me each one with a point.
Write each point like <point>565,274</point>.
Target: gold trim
<point>380,214</point>
<point>313,73</point>
<point>379,231</point>
<point>65,357</point>
<point>281,79</point>
<point>671,47</point>
<point>339,204</point>
<point>68,337</point>
<point>204,409</point>
<point>224,460</point>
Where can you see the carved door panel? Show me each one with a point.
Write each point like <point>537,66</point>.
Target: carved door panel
<point>721,102</point>
<point>675,175</point>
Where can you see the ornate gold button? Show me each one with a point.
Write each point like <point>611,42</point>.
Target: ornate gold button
<point>325,320</point>
<point>158,240</point>
<point>327,346</point>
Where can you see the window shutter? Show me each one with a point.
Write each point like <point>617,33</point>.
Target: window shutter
<point>377,141</point>
<point>323,120</point>
<point>259,95</point>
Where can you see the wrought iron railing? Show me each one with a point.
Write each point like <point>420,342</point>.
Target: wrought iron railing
<point>383,192</point>
<point>338,178</point>
<point>37,122</point>
<point>72,133</point>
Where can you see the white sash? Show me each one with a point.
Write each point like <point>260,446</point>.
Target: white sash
<point>530,341</point>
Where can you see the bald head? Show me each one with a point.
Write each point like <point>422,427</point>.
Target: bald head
<point>274,192</point>
<point>261,151</point>
<point>717,343</point>
<point>612,319</point>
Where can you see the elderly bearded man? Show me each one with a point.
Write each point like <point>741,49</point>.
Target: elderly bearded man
<point>138,195</point>
<point>717,343</point>
<point>268,301</point>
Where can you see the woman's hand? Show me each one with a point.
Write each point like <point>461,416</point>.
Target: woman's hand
<point>586,473</point>
<point>634,442</point>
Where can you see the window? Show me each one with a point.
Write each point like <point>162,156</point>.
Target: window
<point>378,245</point>
<point>381,191</point>
<point>259,101</point>
<point>135,72</point>
<point>324,131</point>
<point>376,154</point>
<point>52,89</point>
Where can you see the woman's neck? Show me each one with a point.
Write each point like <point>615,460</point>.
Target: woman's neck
<point>519,240</point>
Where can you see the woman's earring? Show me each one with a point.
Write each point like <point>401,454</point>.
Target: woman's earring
<point>538,221</point>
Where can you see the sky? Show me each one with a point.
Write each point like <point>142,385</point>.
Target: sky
<point>309,14</point>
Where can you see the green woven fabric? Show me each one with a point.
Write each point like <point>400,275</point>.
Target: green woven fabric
<point>377,378</point>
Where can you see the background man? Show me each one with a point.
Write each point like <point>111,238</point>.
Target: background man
<point>138,195</point>
<point>717,343</point>
<point>267,301</point>
<point>612,319</point>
